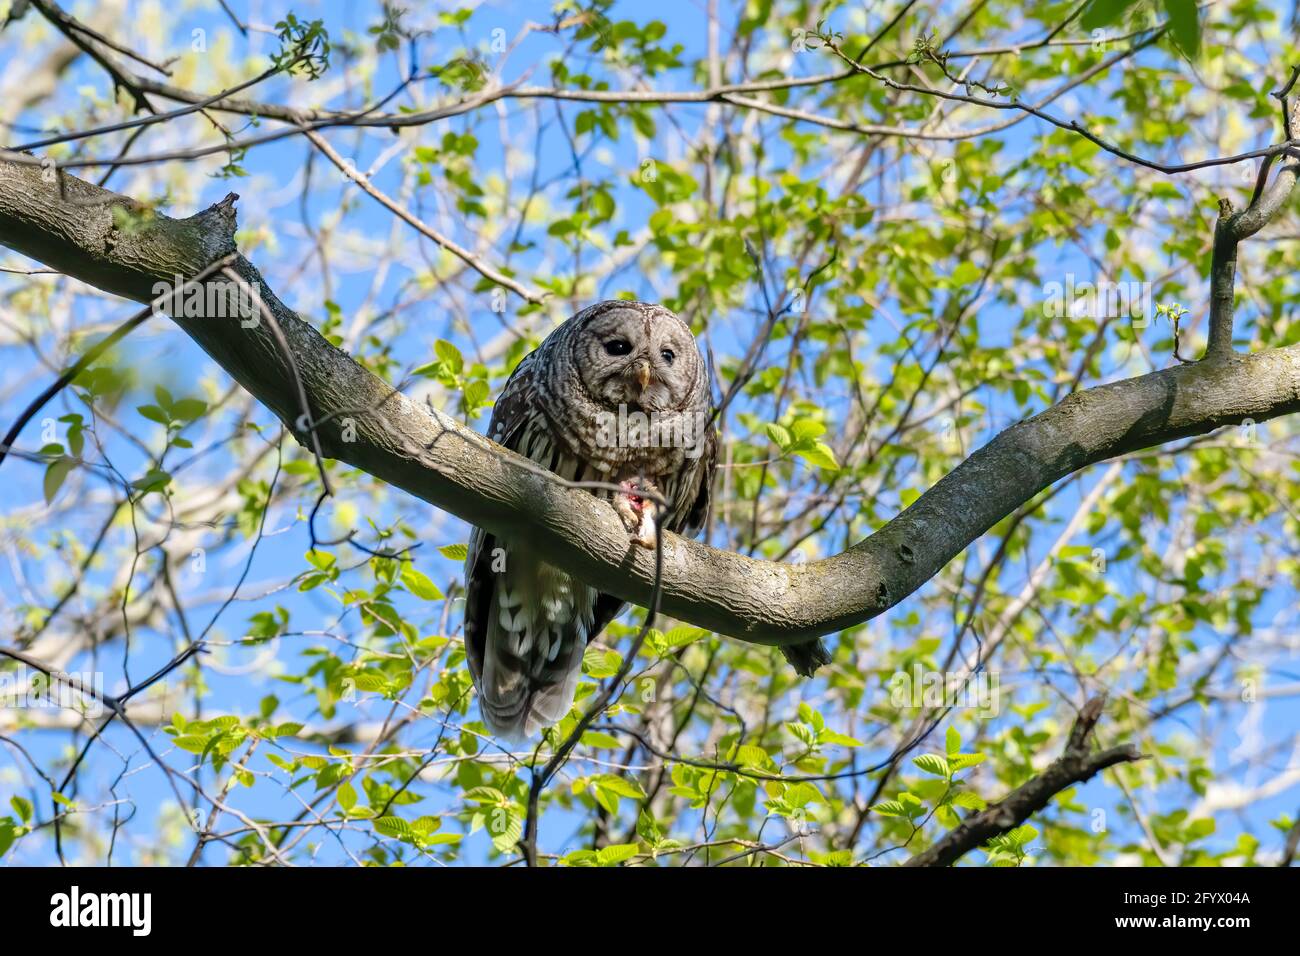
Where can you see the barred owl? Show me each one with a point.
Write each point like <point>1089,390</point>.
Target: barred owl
<point>618,394</point>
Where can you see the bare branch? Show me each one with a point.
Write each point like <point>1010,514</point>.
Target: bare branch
<point>533,296</point>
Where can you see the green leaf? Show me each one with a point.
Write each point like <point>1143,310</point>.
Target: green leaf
<point>54,477</point>
<point>1184,25</point>
<point>154,414</point>
<point>838,739</point>
<point>616,854</point>
<point>779,434</point>
<point>449,355</point>
<point>153,480</point>
<point>683,635</point>
<point>600,663</point>
<point>23,807</point>
<point>321,560</point>
<point>1021,835</point>
<point>188,409</point>
<point>510,834</point>
<point>456,552</point>
<point>392,826</point>
<point>803,793</point>
<point>347,796</point>
<point>1102,13</point>
<point>820,455</point>
<point>606,798</point>
<point>285,765</point>
<point>621,785</point>
<point>489,795</point>
<point>969,801</point>
<point>419,584</point>
<point>964,761</point>
<point>807,429</point>
<point>932,763</point>
<point>476,392</point>
<point>966,273</point>
<point>952,741</point>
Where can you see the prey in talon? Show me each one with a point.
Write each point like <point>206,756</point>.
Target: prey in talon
<point>638,511</point>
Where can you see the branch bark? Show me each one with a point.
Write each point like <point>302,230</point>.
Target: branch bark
<point>69,225</point>
<point>1230,228</point>
<point>1077,764</point>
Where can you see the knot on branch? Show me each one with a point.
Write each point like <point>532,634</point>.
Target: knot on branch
<point>805,658</point>
<point>215,227</point>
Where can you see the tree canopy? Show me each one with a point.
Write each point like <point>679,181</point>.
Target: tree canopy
<point>996,304</point>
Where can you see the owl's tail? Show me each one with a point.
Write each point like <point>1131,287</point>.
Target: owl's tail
<point>530,676</point>
<point>533,627</point>
<point>527,624</point>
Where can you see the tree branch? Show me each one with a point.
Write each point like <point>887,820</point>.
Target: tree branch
<point>1232,227</point>
<point>534,296</point>
<point>1077,764</point>
<point>365,422</point>
<point>1223,283</point>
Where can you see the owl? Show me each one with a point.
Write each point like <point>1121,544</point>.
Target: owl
<point>618,394</point>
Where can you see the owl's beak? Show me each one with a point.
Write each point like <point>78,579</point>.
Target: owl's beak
<point>643,374</point>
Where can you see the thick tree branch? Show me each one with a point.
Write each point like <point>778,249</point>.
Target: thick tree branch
<point>1076,765</point>
<point>435,458</point>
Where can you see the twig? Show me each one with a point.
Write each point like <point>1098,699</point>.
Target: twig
<point>528,295</point>
<point>84,39</point>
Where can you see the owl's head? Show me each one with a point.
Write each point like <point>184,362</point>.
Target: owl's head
<point>638,355</point>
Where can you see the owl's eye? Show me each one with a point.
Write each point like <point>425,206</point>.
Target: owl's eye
<point>668,356</point>
<point>618,346</point>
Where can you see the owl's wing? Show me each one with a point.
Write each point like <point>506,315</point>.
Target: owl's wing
<point>698,489</point>
<point>514,409</point>
<point>510,416</point>
<point>527,623</point>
